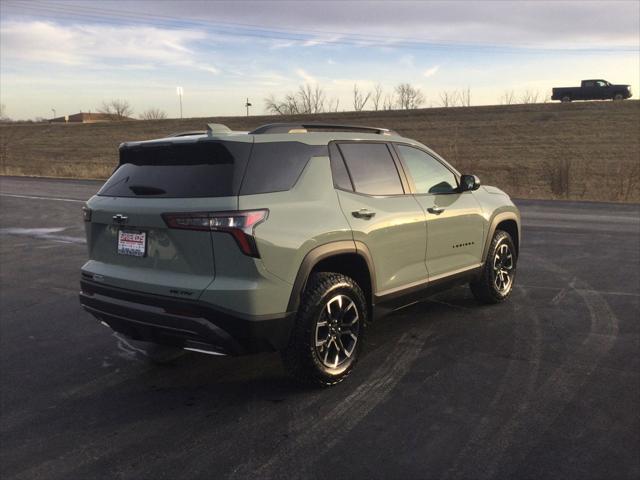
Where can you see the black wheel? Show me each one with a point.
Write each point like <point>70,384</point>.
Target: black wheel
<point>566,99</point>
<point>158,354</point>
<point>618,97</point>
<point>496,281</point>
<point>328,335</point>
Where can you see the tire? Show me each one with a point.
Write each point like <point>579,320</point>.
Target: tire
<point>492,287</point>
<point>158,354</point>
<point>328,335</point>
<point>566,99</point>
<point>618,97</point>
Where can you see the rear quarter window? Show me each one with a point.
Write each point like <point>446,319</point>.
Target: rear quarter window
<point>276,166</point>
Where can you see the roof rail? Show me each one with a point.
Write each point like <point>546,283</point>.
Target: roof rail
<point>306,127</point>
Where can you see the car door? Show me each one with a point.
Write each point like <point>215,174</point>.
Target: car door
<point>588,91</point>
<point>602,90</point>
<point>455,225</point>
<point>381,212</point>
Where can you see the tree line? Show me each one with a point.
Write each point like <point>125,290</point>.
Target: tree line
<point>121,110</point>
<point>309,99</point>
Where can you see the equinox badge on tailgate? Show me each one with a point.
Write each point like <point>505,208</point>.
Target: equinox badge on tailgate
<point>120,219</point>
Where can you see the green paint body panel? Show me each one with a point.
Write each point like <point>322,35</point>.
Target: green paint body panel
<point>396,236</point>
<point>455,237</point>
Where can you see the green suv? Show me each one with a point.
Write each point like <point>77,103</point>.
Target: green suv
<point>289,238</point>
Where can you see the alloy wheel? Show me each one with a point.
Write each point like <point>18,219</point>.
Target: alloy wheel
<point>503,268</point>
<point>337,331</point>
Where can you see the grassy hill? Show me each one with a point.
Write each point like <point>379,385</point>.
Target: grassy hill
<point>580,151</point>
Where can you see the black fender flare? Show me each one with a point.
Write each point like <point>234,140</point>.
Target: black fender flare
<point>495,221</point>
<point>322,252</point>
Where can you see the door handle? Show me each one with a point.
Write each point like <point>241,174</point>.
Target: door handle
<point>363,213</point>
<point>435,210</point>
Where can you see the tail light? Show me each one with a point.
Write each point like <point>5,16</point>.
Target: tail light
<point>239,224</point>
<point>86,214</point>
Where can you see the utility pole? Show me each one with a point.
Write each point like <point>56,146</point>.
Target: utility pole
<point>180,92</point>
<point>247,105</point>
<point>54,112</point>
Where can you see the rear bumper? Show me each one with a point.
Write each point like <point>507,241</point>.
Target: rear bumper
<point>184,323</point>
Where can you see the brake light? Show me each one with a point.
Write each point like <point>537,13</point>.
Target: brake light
<point>238,224</point>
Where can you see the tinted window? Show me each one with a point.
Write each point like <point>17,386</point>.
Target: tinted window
<point>589,84</point>
<point>428,174</point>
<point>192,169</point>
<point>338,170</point>
<point>372,168</point>
<point>275,166</point>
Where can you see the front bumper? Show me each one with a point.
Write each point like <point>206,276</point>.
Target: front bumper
<point>184,323</point>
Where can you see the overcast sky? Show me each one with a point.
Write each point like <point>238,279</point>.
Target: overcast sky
<point>72,55</point>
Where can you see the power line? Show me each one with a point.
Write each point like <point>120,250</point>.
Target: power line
<point>102,15</point>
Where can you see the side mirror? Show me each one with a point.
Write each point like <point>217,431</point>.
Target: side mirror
<point>469,182</point>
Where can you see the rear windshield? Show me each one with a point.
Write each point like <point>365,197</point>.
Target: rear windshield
<point>194,169</point>
<point>209,169</point>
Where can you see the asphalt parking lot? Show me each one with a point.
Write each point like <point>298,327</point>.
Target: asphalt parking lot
<point>546,385</point>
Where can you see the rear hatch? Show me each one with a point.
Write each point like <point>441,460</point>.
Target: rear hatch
<point>130,244</point>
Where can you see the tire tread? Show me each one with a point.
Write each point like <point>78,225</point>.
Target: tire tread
<point>297,356</point>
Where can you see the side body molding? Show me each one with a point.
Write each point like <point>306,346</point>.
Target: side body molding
<point>320,253</point>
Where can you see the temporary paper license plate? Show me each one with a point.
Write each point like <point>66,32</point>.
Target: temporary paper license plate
<point>132,243</point>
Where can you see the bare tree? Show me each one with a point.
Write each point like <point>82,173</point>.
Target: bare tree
<point>312,98</point>
<point>333,105</point>
<point>275,106</point>
<point>153,114</point>
<point>3,111</point>
<point>308,99</point>
<point>448,99</point>
<point>409,97</point>
<point>529,96</point>
<point>508,97</point>
<point>359,99</point>
<point>117,109</point>
<point>376,97</point>
<point>465,97</point>
<point>389,102</point>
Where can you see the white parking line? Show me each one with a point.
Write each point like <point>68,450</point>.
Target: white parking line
<point>41,198</point>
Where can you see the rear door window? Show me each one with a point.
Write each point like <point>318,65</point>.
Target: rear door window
<point>371,168</point>
<point>276,166</point>
<point>189,169</point>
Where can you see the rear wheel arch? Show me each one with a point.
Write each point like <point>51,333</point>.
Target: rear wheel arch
<point>346,257</point>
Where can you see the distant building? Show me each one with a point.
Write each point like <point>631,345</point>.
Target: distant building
<point>84,117</point>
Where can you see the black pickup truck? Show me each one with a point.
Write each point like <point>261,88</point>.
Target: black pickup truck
<point>592,90</point>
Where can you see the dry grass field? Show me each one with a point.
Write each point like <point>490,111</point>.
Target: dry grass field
<point>578,151</point>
